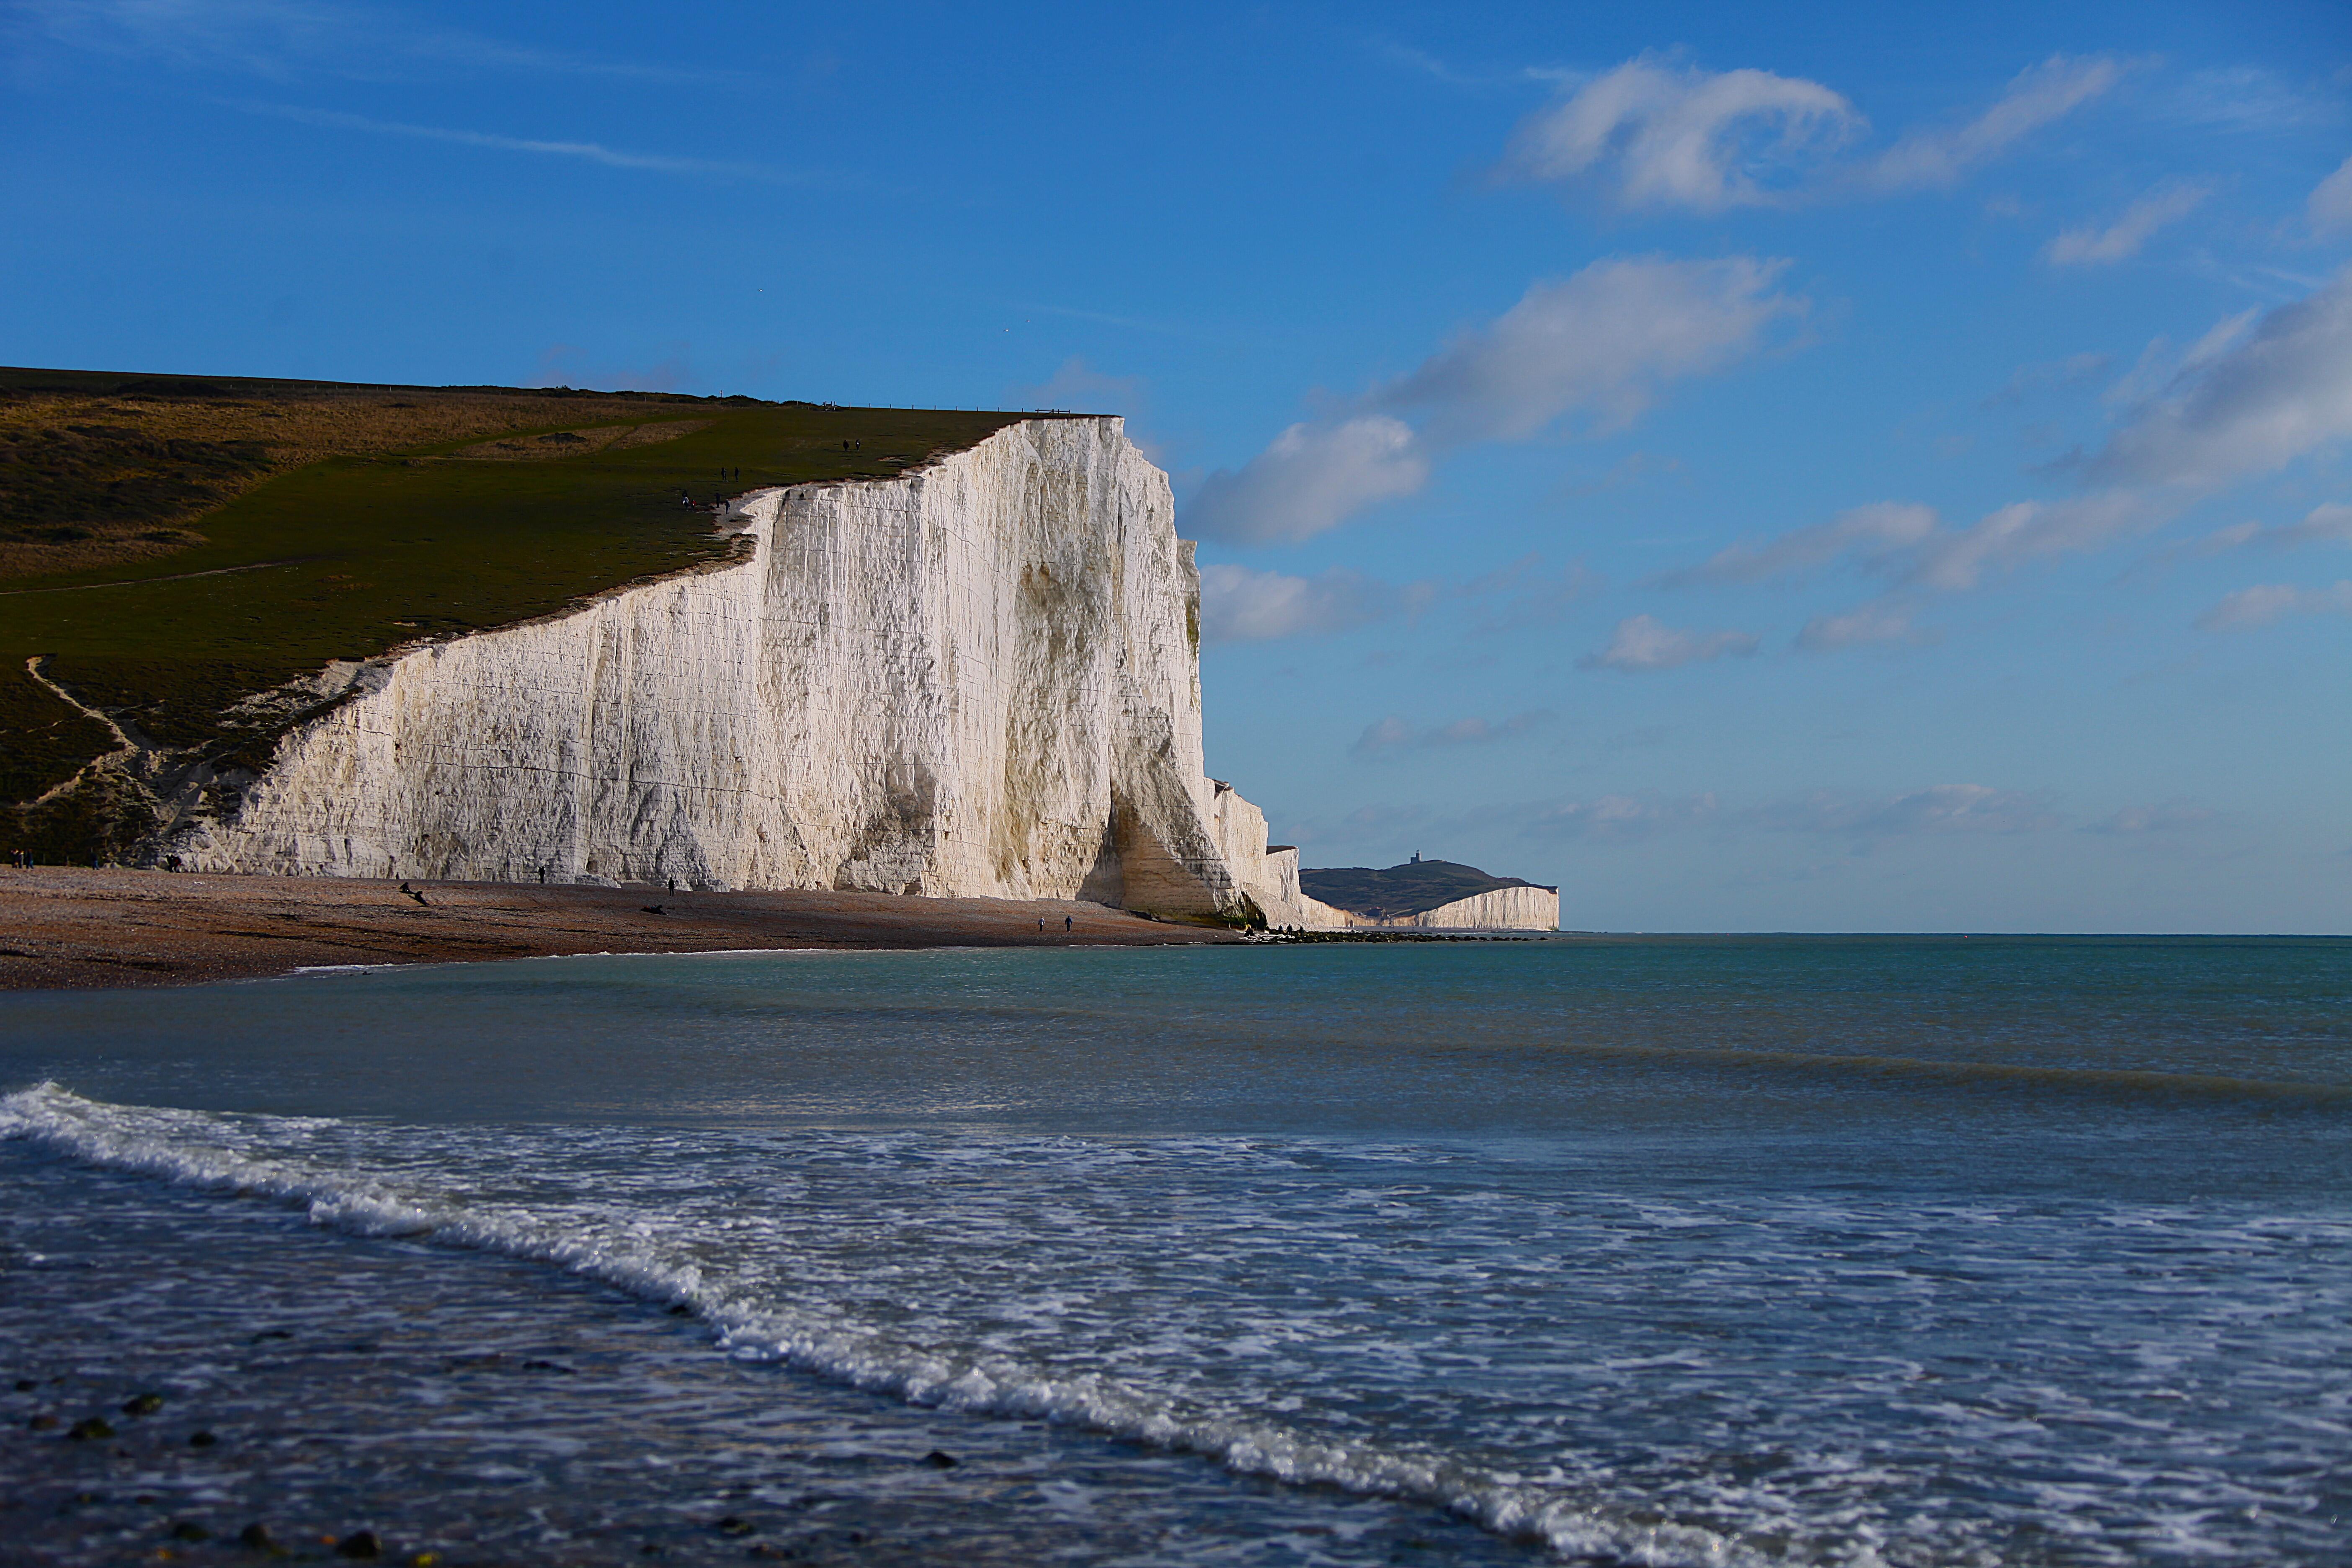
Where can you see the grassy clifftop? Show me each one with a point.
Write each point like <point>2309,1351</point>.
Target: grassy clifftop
<point>171,545</point>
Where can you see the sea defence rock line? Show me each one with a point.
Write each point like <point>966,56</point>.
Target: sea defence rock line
<point>979,677</point>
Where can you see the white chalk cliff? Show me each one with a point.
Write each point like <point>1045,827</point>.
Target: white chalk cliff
<point>1498,909</point>
<point>978,677</point>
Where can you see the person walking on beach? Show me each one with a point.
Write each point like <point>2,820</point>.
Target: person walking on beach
<point>1066,925</point>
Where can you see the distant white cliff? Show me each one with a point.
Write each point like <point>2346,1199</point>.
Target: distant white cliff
<point>978,678</point>
<point>1433,895</point>
<point>1502,909</point>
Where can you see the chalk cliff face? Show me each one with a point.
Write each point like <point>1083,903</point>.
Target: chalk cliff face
<point>1269,872</point>
<point>981,678</point>
<point>1502,909</point>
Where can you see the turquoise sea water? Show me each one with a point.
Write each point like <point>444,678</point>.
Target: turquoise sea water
<point>1657,1251</point>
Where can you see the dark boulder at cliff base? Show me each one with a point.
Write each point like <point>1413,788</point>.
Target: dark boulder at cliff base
<point>1414,888</point>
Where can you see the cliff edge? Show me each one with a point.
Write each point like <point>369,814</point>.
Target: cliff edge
<point>979,677</point>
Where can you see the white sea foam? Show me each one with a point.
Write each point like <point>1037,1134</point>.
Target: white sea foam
<point>1677,1375</point>
<point>245,1157</point>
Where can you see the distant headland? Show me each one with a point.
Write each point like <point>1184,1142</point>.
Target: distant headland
<point>1434,894</point>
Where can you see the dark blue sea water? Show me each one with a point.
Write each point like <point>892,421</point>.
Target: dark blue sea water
<point>1930,1251</point>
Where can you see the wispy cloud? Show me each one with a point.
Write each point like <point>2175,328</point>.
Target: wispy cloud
<point>1395,734</point>
<point>1658,133</point>
<point>1309,480</point>
<point>1910,546</point>
<point>1607,819</point>
<point>1957,809</point>
<point>1873,534</point>
<point>1954,560</point>
<point>1642,644</point>
<point>2270,391</point>
<point>2038,96</point>
<point>1238,604</point>
<point>2122,240</point>
<point>1602,344</point>
<point>2330,524</point>
<point>2329,207</point>
<point>2270,603</point>
<point>1241,605</point>
<point>1616,818</point>
<point>1664,134</point>
<point>2251,395</point>
<point>588,152</point>
<point>2245,99</point>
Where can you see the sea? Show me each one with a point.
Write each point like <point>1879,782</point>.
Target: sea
<point>1670,1250</point>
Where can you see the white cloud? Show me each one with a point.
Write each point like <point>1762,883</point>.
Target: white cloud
<point>1312,478</point>
<point>1643,643</point>
<point>2037,96</point>
<point>1395,734</point>
<point>2271,602</point>
<point>1871,532</point>
<point>2330,524</point>
<point>1941,808</point>
<point>1665,135</point>
<point>1909,545</point>
<point>1603,342</point>
<point>1959,558</point>
<point>2272,395</point>
<point>1241,605</point>
<point>2330,205</point>
<point>2121,240</point>
<point>2158,366</point>
<point>1613,818</point>
<point>1877,621</point>
<point>1238,604</point>
<point>2245,100</point>
<point>1679,136</point>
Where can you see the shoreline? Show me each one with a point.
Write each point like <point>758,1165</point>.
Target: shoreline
<point>69,928</point>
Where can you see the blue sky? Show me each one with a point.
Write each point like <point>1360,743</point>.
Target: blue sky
<point>1759,468</point>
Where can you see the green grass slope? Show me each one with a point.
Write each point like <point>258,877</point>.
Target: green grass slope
<point>353,554</point>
